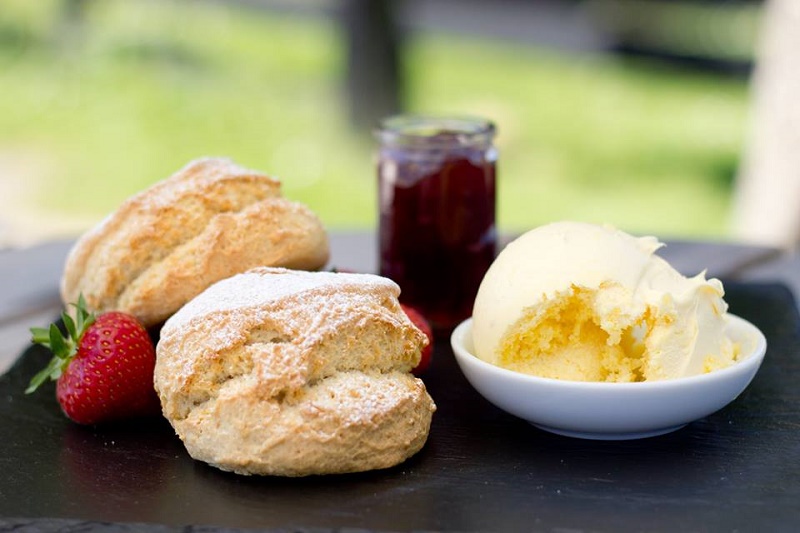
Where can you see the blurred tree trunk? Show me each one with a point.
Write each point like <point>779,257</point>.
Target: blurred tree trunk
<point>767,200</point>
<point>71,22</point>
<point>374,87</point>
<point>73,10</point>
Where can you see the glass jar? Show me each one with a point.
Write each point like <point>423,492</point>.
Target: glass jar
<point>436,187</point>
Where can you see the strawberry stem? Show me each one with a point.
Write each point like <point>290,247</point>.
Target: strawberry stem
<point>63,348</point>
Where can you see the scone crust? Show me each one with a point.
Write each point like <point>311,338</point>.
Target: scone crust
<point>208,221</point>
<point>279,372</point>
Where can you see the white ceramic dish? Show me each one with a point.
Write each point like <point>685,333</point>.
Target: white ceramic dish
<point>612,411</point>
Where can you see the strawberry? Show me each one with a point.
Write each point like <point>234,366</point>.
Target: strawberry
<point>422,323</point>
<point>103,369</point>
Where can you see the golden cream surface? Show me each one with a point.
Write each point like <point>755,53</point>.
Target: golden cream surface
<point>581,302</point>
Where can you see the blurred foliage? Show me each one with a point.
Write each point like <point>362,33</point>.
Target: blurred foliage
<point>126,96</point>
<point>718,30</point>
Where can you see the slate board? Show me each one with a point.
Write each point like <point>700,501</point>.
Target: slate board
<point>482,470</point>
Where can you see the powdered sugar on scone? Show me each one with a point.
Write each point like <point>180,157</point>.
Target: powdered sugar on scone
<point>258,287</point>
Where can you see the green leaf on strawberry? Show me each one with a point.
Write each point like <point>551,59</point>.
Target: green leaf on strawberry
<point>64,348</point>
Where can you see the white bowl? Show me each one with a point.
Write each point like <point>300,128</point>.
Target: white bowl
<point>612,411</point>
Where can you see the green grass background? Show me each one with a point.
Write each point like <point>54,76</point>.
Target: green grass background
<point>145,86</point>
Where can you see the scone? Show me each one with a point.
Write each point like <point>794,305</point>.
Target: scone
<point>165,245</point>
<point>281,372</point>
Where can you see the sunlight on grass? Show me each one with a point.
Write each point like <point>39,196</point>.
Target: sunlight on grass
<point>146,86</point>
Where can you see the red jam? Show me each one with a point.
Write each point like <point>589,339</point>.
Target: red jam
<point>437,212</point>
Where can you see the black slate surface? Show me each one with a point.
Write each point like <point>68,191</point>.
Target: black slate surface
<point>482,470</point>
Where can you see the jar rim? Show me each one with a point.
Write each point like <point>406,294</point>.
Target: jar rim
<point>435,131</point>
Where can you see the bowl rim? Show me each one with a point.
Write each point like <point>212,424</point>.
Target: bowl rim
<point>747,365</point>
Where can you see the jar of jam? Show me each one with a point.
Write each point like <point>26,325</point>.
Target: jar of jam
<point>436,187</point>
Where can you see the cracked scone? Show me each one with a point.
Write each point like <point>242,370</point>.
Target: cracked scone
<point>282,372</point>
<point>206,222</point>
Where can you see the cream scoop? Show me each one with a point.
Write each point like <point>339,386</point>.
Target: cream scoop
<point>582,302</point>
